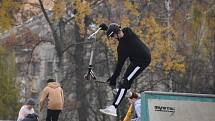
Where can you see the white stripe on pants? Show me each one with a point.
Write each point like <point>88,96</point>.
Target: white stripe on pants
<point>132,74</point>
<point>122,91</point>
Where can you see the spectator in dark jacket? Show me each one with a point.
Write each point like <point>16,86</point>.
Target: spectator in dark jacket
<point>31,117</point>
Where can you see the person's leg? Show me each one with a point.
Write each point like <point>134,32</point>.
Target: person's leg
<point>49,115</point>
<point>131,73</point>
<point>56,114</point>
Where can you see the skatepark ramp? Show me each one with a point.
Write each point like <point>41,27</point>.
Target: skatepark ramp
<point>169,106</point>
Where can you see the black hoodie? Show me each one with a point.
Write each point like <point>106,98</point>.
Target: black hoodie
<point>130,46</point>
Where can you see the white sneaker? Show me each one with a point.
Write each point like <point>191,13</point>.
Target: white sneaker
<point>110,110</point>
<point>128,93</point>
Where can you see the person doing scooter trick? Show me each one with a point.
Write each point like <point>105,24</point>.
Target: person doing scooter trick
<point>131,47</point>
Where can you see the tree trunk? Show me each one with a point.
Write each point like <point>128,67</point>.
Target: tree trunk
<point>213,64</point>
<point>168,9</point>
<point>58,44</point>
<point>81,92</point>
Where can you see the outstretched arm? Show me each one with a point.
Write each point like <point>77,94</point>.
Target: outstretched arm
<point>43,97</point>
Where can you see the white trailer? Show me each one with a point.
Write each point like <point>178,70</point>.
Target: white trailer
<point>168,106</point>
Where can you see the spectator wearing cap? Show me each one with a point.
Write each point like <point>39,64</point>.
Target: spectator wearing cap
<point>26,109</point>
<point>54,93</point>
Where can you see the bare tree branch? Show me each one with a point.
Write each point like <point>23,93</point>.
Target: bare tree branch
<point>31,54</point>
<point>58,44</point>
<point>69,46</point>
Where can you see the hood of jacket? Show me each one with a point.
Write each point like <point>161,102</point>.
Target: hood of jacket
<point>53,84</point>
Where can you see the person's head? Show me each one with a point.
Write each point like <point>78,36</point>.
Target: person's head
<point>30,103</point>
<point>133,98</point>
<point>114,31</point>
<point>50,80</point>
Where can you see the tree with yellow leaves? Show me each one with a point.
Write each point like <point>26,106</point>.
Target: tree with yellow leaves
<point>9,91</point>
<point>162,46</point>
<point>200,41</point>
<point>8,8</point>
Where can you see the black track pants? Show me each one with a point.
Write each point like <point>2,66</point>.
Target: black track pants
<point>131,73</point>
<point>52,115</point>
